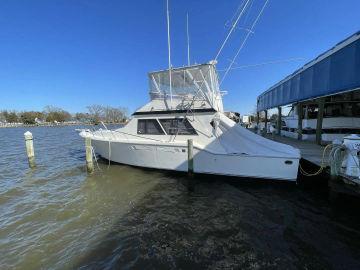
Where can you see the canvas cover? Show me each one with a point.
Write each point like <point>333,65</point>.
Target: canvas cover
<point>199,82</point>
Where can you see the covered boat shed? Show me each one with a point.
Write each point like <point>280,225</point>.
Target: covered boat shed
<point>333,72</point>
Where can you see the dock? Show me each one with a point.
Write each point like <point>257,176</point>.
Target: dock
<point>313,153</point>
<point>317,95</point>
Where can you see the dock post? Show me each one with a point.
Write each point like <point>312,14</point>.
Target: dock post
<point>89,155</point>
<point>320,116</point>
<point>279,121</point>
<point>30,148</point>
<point>266,121</point>
<point>300,120</point>
<point>190,147</point>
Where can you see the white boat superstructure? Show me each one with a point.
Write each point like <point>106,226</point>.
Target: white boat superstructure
<point>156,135</point>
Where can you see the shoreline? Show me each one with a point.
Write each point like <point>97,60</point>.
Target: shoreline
<point>54,125</point>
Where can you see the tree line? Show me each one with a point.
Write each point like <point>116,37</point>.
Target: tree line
<point>94,115</point>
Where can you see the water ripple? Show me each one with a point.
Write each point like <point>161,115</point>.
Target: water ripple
<point>58,217</point>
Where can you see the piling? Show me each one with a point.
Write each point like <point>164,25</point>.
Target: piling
<point>30,148</point>
<point>190,146</point>
<point>89,155</point>
<point>320,116</point>
<point>279,121</point>
<point>266,121</point>
<point>300,119</point>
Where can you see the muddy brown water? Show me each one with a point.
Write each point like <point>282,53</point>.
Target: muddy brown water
<point>121,217</point>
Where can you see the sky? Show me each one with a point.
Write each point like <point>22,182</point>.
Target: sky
<point>74,53</point>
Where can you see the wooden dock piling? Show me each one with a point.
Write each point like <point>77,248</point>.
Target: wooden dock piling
<point>319,122</point>
<point>279,121</point>
<point>190,147</point>
<point>89,155</point>
<point>266,121</point>
<point>300,119</point>
<point>30,148</point>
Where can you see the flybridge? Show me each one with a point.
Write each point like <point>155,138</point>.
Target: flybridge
<point>196,82</point>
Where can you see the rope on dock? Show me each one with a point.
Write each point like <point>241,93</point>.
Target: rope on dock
<point>335,159</point>
<point>322,165</point>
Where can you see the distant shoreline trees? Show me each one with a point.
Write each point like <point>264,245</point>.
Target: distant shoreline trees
<point>51,114</point>
<point>107,114</point>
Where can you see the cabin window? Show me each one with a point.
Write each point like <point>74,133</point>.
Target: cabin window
<point>177,126</point>
<point>149,126</point>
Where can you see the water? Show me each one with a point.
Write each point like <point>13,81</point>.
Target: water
<point>58,217</point>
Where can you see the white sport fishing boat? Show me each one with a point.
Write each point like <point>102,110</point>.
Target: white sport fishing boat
<point>187,104</point>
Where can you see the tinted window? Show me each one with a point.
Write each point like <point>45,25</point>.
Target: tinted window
<point>179,126</point>
<point>149,126</point>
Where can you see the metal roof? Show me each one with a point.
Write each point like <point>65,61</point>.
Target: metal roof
<point>334,71</point>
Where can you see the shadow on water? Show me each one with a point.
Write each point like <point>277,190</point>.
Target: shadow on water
<point>225,223</point>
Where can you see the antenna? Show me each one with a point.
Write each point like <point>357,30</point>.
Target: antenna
<point>169,48</point>
<point>188,39</point>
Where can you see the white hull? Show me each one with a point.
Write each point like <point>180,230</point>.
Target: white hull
<point>174,157</point>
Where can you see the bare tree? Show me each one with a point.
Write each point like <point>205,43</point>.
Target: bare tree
<point>114,115</point>
<point>96,113</point>
<point>107,114</point>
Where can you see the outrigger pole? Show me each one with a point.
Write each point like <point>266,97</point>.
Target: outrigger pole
<point>188,39</point>
<point>251,30</point>
<point>232,28</point>
<point>169,49</point>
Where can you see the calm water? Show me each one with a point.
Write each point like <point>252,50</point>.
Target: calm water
<point>57,217</point>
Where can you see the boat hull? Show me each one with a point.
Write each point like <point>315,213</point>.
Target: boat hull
<point>174,157</point>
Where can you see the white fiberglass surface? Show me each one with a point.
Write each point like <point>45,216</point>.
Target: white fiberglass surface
<point>227,138</point>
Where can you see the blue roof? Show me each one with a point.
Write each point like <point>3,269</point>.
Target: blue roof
<point>334,71</point>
